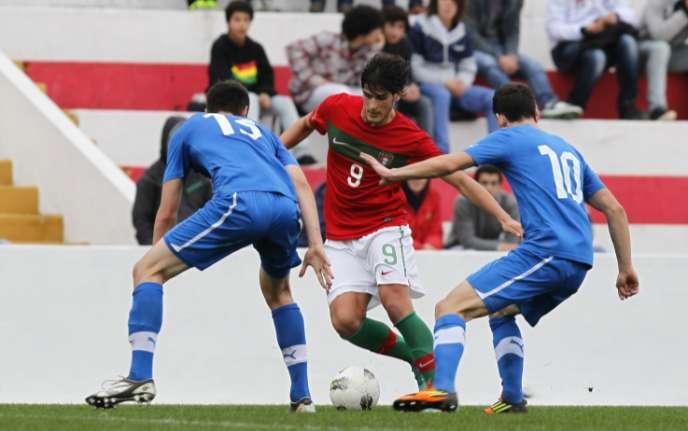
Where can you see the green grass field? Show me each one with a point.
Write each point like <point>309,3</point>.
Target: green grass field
<point>191,417</point>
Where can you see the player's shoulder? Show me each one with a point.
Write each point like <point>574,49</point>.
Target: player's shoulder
<point>344,99</point>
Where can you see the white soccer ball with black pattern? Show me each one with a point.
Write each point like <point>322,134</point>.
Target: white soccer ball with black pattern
<point>354,388</point>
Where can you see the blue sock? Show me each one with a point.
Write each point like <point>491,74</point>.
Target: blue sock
<point>508,345</point>
<point>450,332</point>
<point>291,337</point>
<point>145,319</point>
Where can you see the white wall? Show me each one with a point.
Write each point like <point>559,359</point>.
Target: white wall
<point>75,178</point>
<point>133,138</point>
<point>64,331</point>
<point>178,36</point>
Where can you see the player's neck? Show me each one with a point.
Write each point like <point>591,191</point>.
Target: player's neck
<point>523,122</point>
<point>386,121</point>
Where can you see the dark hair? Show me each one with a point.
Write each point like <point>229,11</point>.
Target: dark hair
<point>385,73</point>
<point>227,96</point>
<point>515,101</point>
<point>360,21</point>
<point>460,4</point>
<point>487,169</point>
<point>238,6</point>
<point>393,14</point>
<point>171,125</point>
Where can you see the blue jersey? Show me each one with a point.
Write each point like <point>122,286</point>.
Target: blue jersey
<point>238,155</point>
<point>551,181</point>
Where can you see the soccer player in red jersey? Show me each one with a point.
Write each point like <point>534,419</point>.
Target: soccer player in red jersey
<point>369,242</point>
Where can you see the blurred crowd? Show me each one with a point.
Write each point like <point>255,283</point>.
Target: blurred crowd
<point>459,52</point>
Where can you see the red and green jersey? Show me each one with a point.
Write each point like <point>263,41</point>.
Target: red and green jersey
<point>355,203</point>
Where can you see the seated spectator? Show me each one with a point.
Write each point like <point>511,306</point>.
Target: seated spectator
<point>197,189</point>
<point>344,6</point>
<point>236,56</point>
<point>329,63</point>
<point>494,27</point>
<point>423,206</point>
<point>589,36</point>
<point>667,20</point>
<point>443,63</point>
<point>473,228</point>
<point>412,104</point>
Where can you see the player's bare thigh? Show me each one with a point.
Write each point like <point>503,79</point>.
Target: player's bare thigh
<point>158,265</point>
<point>462,300</point>
<point>347,312</point>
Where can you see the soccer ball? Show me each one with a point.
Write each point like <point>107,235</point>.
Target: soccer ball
<point>354,388</point>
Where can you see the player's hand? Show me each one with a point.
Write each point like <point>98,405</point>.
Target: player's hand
<point>265,101</point>
<point>627,283</point>
<point>508,63</point>
<point>380,169</point>
<point>317,259</point>
<point>513,227</point>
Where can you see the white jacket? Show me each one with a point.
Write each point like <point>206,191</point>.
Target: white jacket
<point>566,18</point>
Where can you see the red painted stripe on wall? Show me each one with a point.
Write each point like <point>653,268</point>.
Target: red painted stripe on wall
<point>170,86</point>
<point>647,199</point>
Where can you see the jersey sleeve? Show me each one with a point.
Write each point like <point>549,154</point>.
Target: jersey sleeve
<point>491,150</point>
<point>318,118</point>
<point>591,181</point>
<point>177,158</point>
<point>282,154</point>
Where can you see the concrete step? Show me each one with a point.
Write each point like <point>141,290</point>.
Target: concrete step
<point>18,200</point>
<point>5,173</point>
<point>32,228</point>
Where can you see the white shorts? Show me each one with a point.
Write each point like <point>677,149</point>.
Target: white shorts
<point>382,257</point>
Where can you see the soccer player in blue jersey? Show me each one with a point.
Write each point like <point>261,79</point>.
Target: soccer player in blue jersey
<point>257,191</point>
<point>552,183</point>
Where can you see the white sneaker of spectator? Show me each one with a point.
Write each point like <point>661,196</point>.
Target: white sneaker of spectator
<point>561,110</point>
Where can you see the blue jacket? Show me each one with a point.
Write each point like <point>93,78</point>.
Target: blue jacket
<point>439,54</point>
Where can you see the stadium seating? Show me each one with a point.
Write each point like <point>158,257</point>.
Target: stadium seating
<point>20,220</point>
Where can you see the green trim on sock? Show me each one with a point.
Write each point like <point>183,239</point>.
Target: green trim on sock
<point>373,335</point>
<point>418,338</point>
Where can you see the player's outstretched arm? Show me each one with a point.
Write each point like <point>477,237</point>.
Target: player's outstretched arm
<point>315,256</point>
<point>170,200</point>
<point>296,133</point>
<point>438,166</point>
<point>477,194</point>
<point>604,201</point>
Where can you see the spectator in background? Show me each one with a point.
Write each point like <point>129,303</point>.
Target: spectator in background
<point>443,63</point>
<point>236,56</point>
<point>412,104</point>
<point>329,63</point>
<point>423,206</point>
<point>473,228</point>
<point>319,194</point>
<point>667,20</point>
<point>197,189</point>
<point>590,36</point>
<point>494,27</point>
<point>344,6</point>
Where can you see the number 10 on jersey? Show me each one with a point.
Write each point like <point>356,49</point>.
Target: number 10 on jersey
<point>562,172</point>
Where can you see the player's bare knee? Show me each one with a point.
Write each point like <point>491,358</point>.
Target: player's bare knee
<point>346,324</point>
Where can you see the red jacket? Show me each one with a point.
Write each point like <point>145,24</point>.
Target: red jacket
<point>426,223</point>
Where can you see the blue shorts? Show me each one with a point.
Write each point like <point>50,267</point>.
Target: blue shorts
<point>533,283</point>
<point>268,221</point>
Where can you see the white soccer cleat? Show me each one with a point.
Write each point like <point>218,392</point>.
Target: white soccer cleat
<point>561,110</point>
<point>120,390</point>
<point>304,405</point>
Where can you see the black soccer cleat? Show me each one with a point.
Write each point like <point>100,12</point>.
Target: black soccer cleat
<point>502,406</point>
<point>429,399</point>
<point>304,405</point>
<point>121,390</point>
